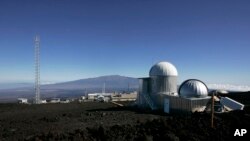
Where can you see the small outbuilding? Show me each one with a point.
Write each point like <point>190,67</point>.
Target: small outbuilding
<point>54,100</point>
<point>22,100</point>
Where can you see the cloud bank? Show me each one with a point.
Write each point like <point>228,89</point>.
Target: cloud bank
<point>229,87</point>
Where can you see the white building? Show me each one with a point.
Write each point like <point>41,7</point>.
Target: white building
<point>94,96</point>
<point>43,101</point>
<point>64,101</point>
<point>55,100</point>
<point>163,79</point>
<point>82,99</point>
<point>22,100</point>
<point>159,91</point>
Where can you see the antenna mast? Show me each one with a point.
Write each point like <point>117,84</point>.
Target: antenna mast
<point>128,87</point>
<point>103,88</point>
<point>37,69</point>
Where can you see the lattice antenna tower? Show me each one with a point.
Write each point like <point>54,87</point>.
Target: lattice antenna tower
<point>37,69</point>
<point>103,88</point>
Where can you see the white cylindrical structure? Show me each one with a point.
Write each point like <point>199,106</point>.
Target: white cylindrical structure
<point>143,89</point>
<point>163,77</point>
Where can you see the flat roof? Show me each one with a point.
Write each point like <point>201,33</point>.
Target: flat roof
<point>197,98</point>
<point>143,78</point>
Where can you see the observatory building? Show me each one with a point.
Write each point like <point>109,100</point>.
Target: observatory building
<point>163,77</point>
<point>160,91</point>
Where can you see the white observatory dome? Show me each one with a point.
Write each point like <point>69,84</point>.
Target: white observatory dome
<point>163,69</point>
<point>193,88</point>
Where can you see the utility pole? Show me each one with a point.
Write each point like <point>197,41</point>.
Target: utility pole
<point>212,111</point>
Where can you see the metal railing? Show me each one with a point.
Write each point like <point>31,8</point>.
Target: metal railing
<point>149,101</point>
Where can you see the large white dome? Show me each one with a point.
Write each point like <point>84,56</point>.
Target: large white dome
<point>193,88</point>
<point>163,69</point>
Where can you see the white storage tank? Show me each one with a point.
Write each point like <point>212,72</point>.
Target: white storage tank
<point>163,76</point>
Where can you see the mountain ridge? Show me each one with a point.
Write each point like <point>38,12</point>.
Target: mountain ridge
<point>76,88</point>
<point>110,81</point>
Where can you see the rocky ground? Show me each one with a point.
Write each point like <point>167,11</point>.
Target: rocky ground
<point>93,121</point>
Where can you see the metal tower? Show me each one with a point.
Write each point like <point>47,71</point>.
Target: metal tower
<point>128,87</point>
<point>103,88</point>
<point>37,69</point>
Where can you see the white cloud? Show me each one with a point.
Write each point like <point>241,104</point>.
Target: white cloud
<point>229,87</point>
<point>47,82</point>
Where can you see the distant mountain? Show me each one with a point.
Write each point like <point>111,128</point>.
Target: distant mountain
<point>73,88</point>
<point>111,82</point>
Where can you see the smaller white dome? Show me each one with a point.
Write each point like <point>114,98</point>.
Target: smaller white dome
<point>163,69</point>
<point>193,88</point>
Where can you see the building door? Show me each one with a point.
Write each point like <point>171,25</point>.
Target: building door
<point>166,105</point>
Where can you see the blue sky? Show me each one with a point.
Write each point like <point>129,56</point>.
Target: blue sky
<point>207,40</point>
